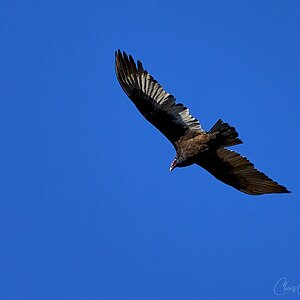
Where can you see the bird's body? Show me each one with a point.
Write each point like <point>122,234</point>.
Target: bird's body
<point>188,149</point>
<point>193,145</point>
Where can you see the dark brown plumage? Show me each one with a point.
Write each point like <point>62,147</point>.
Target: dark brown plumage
<point>193,145</point>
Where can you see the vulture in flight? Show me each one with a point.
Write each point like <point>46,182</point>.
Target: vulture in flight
<point>193,145</point>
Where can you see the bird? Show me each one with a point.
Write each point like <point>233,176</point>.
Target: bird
<point>193,145</point>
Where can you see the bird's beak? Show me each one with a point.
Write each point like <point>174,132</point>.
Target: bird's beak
<point>173,165</point>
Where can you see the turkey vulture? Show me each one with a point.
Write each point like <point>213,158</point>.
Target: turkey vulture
<point>193,145</point>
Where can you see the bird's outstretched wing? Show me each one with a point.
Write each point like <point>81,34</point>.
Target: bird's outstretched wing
<point>237,171</point>
<point>154,103</point>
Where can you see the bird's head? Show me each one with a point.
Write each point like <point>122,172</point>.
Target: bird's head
<point>173,165</point>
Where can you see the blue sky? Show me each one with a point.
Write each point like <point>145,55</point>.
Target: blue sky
<point>89,209</point>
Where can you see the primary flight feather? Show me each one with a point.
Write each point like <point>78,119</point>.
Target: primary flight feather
<point>193,145</point>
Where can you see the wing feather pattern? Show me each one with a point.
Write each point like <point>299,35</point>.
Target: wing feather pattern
<point>154,103</point>
<point>237,171</point>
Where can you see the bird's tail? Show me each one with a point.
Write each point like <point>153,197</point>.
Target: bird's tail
<point>227,135</point>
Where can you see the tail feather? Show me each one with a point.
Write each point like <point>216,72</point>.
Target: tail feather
<point>227,135</point>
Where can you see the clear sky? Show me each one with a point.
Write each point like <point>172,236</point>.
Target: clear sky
<point>89,209</point>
